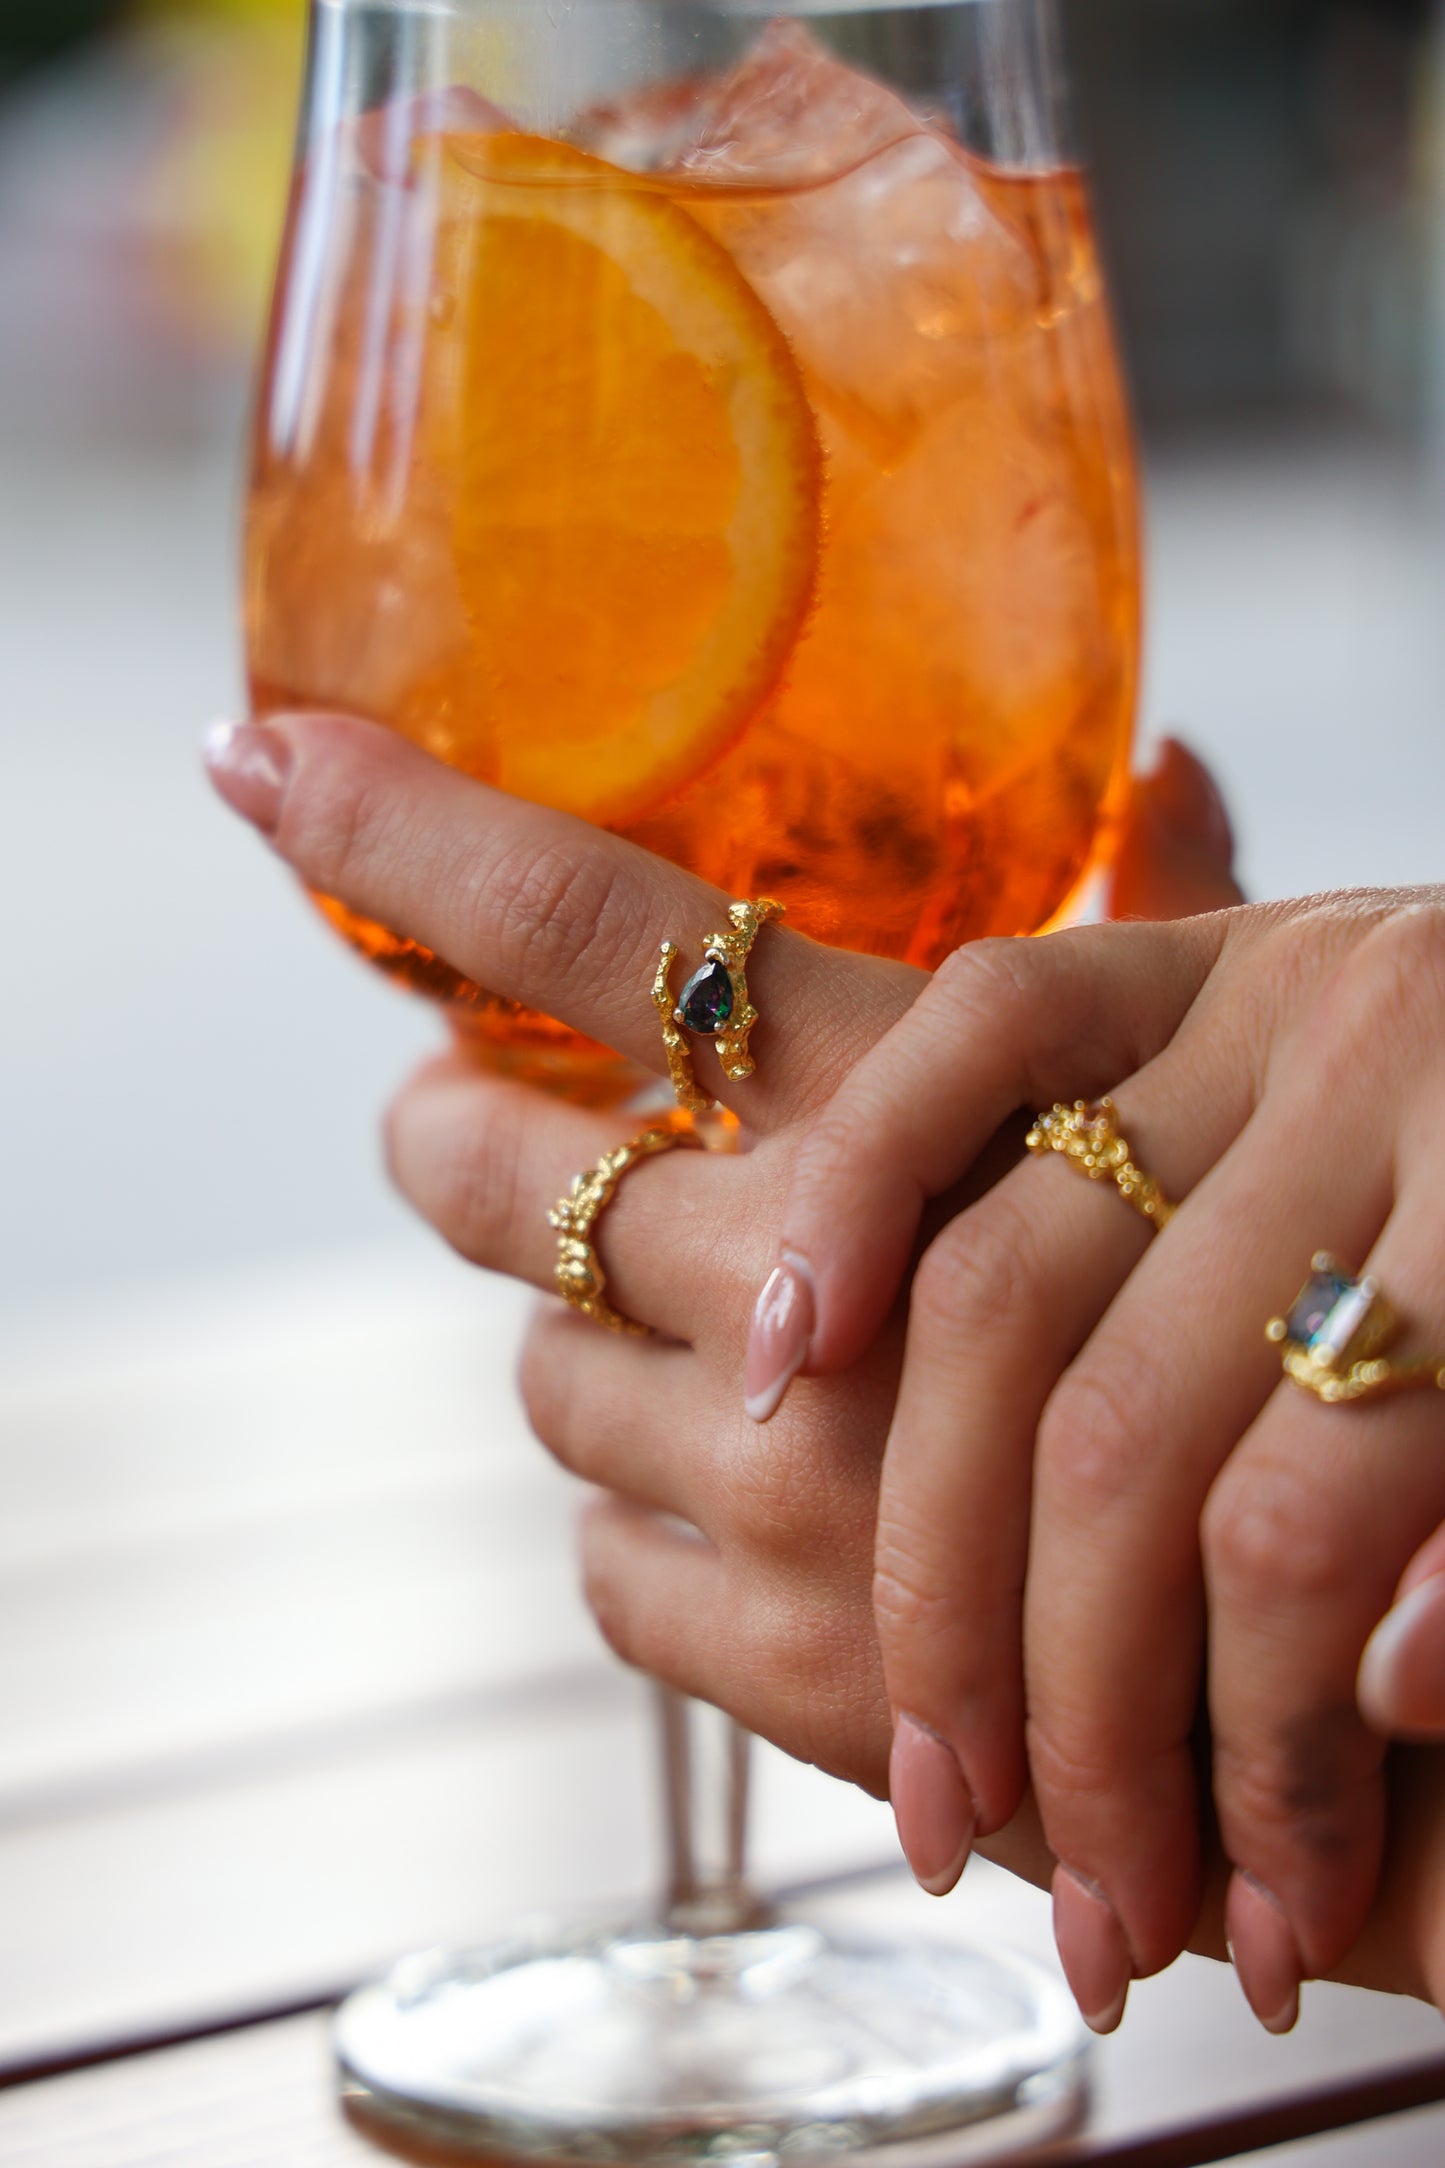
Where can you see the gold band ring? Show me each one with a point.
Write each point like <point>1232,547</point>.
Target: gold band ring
<point>714,1004</point>
<point>1333,1340</point>
<point>1087,1133</point>
<point>578,1275</point>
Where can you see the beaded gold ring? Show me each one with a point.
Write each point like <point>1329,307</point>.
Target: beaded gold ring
<point>1088,1136</point>
<point>578,1275</point>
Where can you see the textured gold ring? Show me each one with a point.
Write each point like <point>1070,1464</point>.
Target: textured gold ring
<point>578,1274</point>
<point>1334,1338</point>
<point>1087,1133</point>
<point>714,1004</point>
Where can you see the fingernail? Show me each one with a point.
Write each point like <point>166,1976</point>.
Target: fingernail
<point>249,766</point>
<point>1092,1950</point>
<point>1401,1681</point>
<point>780,1338</point>
<point>1265,1953</point>
<point>931,1805</point>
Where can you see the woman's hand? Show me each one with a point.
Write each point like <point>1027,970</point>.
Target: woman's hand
<point>1092,1437</point>
<point>770,1614</point>
<point>771,1617</point>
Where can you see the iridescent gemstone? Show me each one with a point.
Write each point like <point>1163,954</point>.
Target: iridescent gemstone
<point>707,1000</point>
<point>1328,1313</point>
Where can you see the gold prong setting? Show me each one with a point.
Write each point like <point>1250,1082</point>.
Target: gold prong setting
<point>714,1004</point>
<point>1336,1336</point>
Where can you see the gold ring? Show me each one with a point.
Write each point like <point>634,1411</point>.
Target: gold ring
<point>714,1004</point>
<point>1087,1133</point>
<point>1335,1336</point>
<point>578,1275</point>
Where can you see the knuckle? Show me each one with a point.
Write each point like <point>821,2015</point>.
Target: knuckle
<point>1389,990</point>
<point>828,1150</point>
<point>980,1273</point>
<point>549,1393</point>
<point>916,1613</point>
<point>1073,1763</point>
<point>1271,1539</point>
<point>1096,1435</point>
<point>551,912</point>
<point>472,1193</point>
<point>343,827</point>
<point>1301,1784</point>
<point>992,978</point>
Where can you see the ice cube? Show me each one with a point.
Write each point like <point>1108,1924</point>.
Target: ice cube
<point>876,241</point>
<point>787,115</point>
<point>790,115</point>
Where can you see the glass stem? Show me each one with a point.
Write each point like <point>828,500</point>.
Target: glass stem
<point>705,1763</point>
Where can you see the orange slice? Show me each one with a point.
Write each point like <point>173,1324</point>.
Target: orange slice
<point>638,481</point>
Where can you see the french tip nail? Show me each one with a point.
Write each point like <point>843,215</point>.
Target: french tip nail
<point>1093,1950</point>
<point>1107,2021</point>
<point>781,1336</point>
<point>1400,1685</point>
<point>932,1806</point>
<point>217,737</point>
<point>249,766</point>
<point>1265,1953</point>
<point>763,1406</point>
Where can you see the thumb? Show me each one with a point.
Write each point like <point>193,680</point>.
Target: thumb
<point>1175,853</point>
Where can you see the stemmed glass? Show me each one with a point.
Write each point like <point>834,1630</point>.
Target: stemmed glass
<point>708,421</point>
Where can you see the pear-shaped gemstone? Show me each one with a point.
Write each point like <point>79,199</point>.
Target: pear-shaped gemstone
<point>707,1000</point>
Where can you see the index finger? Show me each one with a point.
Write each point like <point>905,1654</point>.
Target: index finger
<point>1003,1024</point>
<point>542,908</point>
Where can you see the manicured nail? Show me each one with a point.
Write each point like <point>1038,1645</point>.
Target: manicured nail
<point>249,766</point>
<point>781,1336</point>
<point>1266,1955</point>
<point>1092,1950</point>
<point>1401,1682</point>
<point>931,1805</point>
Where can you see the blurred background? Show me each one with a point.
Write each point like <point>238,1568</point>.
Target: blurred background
<point>281,1585</point>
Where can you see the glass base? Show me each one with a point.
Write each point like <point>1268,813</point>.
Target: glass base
<point>767,2045</point>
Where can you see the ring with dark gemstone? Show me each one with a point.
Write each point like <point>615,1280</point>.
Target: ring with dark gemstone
<point>1335,1340</point>
<point>708,1000</point>
<point>714,1004</point>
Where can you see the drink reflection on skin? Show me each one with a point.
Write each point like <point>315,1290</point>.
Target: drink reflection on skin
<point>743,467</point>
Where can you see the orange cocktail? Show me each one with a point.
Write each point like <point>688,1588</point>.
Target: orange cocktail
<point>747,473</point>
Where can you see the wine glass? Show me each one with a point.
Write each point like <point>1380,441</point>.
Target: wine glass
<point>707,420</point>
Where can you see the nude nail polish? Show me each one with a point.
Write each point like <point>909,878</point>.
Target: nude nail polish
<point>249,766</point>
<point>1092,1950</point>
<point>1266,1955</point>
<point>1401,1682</point>
<point>931,1805</point>
<point>782,1333</point>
